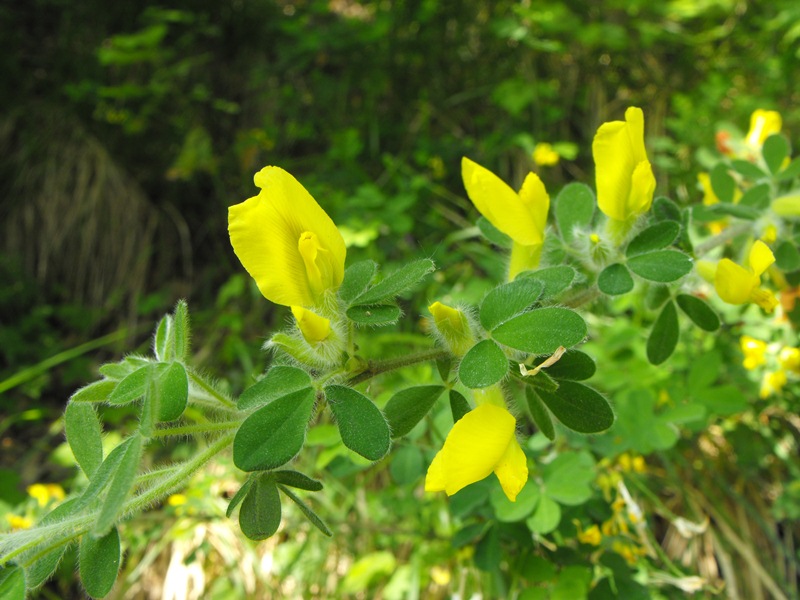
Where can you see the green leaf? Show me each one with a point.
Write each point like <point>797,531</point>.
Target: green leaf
<point>574,209</point>
<point>493,234</point>
<point>507,511</point>
<point>173,392</point>
<point>545,518</point>
<point>180,331</point>
<point>361,424</point>
<point>374,315</point>
<point>508,300</point>
<point>298,480</point>
<point>615,279</point>
<point>655,237</point>
<point>539,413</point>
<point>407,465</point>
<point>791,171</point>
<point>119,370</point>
<point>134,385</point>
<point>357,278</point>
<point>315,519</point>
<point>119,486</point>
<point>554,279</point>
<point>404,278</point>
<point>102,476</point>
<point>42,568</point>
<point>488,552</point>
<point>756,197</point>
<point>664,336</point>
<point>483,365</point>
<point>748,169</point>
<point>151,406</point>
<point>443,365</point>
<point>574,365</point>
<point>665,209</point>
<point>656,296</point>
<point>775,150</point>
<point>568,478</point>
<point>662,266</point>
<point>699,312</point>
<point>579,407</point>
<point>278,382</point>
<point>260,515</point>
<point>99,391</point>
<point>161,340</point>
<point>99,563</point>
<point>722,183</point>
<point>274,434</point>
<point>238,497</point>
<point>787,257</point>
<point>84,435</point>
<point>735,210</point>
<point>12,583</point>
<point>458,405</point>
<point>542,331</point>
<point>407,407</point>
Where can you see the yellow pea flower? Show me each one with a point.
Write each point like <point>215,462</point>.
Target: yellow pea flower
<point>625,180</point>
<point>313,327</point>
<point>453,327</point>
<point>521,216</point>
<point>789,359</point>
<point>754,352</point>
<point>737,285</point>
<point>480,442</point>
<point>544,155</point>
<point>287,243</point>
<point>763,123</point>
<point>591,536</point>
<point>772,383</point>
<point>45,492</point>
<point>18,522</point>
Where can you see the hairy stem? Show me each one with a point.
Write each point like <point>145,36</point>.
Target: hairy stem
<point>377,367</point>
<point>209,389</point>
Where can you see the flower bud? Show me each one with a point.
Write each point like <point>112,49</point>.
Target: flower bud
<point>453,328</point>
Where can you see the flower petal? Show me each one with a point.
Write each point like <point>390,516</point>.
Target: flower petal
<point>536,202</point>
<point>434,480</point>
<point>475,446</point>
<point>512,470</point>
<point>761,257</point>
<point>313,327</point>
<point>500,204</point>
<point>734,283</point>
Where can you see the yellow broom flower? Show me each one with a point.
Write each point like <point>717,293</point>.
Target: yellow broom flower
<point>625,181</point>
<point>736,284</point>
<point>287,243</point>
<point>481,442</point>
<point>763,123</point>
<point>521,216</point>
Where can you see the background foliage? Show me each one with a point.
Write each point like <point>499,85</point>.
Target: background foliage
<point>128,130</point>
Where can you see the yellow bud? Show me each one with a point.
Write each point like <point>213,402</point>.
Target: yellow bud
<point>314,328</point>
<point>453,327</point>
<point>787,206</point>
<point>544,155</point>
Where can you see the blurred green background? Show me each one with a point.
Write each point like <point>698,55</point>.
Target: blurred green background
<point>127,130</point>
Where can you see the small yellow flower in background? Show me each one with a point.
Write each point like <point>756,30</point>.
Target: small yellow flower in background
<point>763,123</point>
<point>754,352</point>
<point>18,522</point>
<point>481,442</point>
<point>521,216</point>
<point>45,492</point>
<point>287,243</point>
<point>625,180</point>
<point>314,328</point>
<point>772,383</point>
<point>545,155</point>
<point>590,536</point>
<point>177,500</point>
<point>737,285</point>
<point>440,575</point>
<point>709,197</point>
<point>789,359</point>
<point>453,326</point>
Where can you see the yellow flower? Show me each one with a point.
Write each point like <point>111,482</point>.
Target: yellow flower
<point>544,155</point>
<point>480,442</point>
<point>590,536</point>
<point>763,123</point>
<point>625,181</point>
<point>754,352</point>
<point>521,216</point>
<point>772,383</point>
<point>313,327</point>
<point>177,500</point>
<point>789,359</point>
<point>18,522</point>
<point>453,326</point>
<point>44,492</point>
<point>287,243</point>
<point>737,285</point>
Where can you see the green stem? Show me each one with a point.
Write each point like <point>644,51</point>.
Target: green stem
<point>721,238</point>
<point>209,389</point>
<point>193,429</point>
<point>377,367</point>
<point>65,531</point>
